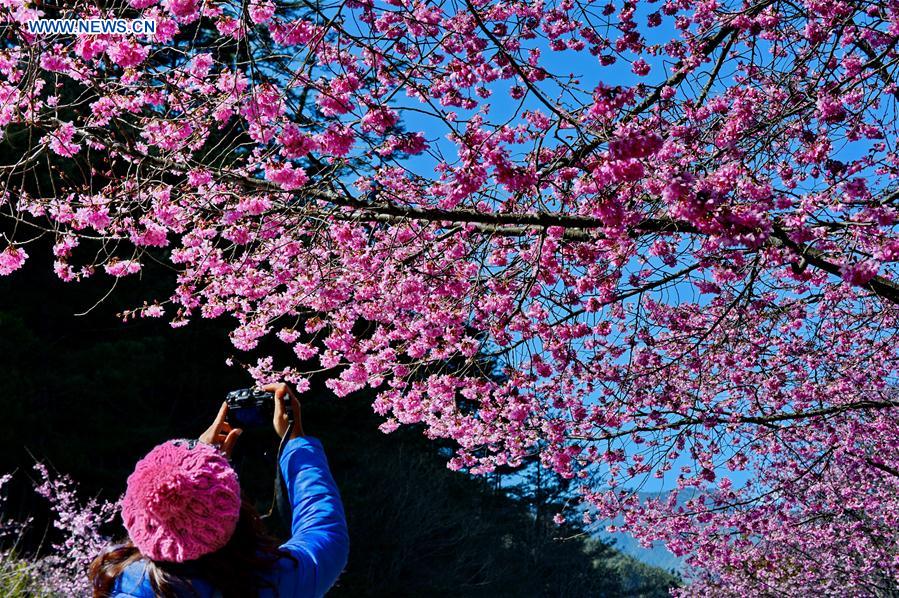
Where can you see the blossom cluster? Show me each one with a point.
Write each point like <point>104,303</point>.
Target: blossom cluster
<point>60,568</point>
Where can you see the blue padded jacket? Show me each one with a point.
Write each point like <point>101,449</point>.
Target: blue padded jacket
<point>319,539</point>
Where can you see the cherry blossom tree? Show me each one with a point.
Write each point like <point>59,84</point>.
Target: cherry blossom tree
<point>673,223</point>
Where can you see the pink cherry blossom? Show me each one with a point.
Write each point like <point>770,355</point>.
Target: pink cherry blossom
<point>186,11</point>
<point>640,67</point>
<point>61,140</point>
<point>379,120</point>
<point>11,260</point>
<point>127,53</point>
<point>122,267</point>
<point>286,175</point>
<point>261,11</point>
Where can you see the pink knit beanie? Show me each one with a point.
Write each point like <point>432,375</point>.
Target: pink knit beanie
<point>182,501</point>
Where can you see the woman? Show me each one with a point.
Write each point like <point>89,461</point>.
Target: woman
<point>191,534</point>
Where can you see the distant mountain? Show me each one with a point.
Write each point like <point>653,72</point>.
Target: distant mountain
<point>639,580</point>
<point>657,556</point>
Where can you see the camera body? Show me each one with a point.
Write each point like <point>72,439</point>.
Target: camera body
<point>253,408</point>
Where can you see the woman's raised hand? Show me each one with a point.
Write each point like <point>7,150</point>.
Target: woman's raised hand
<point>220,434</point>
<point>280,422</point>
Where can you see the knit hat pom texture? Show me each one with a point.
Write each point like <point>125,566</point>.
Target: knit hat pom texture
<point>181,502</point>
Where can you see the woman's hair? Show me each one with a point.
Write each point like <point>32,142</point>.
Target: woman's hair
<point>230,569</point>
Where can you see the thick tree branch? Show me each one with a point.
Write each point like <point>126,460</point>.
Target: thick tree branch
<point>576,228</point>
<point>764,420</point>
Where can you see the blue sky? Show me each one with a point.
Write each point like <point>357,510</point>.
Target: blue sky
<point>588,70</point>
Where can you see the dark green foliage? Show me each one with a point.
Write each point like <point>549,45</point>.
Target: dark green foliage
<point>641,580</point>
<point>418,529</point>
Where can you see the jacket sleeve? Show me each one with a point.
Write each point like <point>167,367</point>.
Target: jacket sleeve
<point>319,538</point>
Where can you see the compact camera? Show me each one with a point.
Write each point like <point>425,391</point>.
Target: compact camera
<point>253,408</point>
